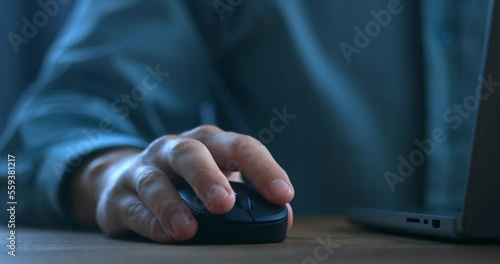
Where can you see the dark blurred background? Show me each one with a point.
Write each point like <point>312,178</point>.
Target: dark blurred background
<point>18,70</point>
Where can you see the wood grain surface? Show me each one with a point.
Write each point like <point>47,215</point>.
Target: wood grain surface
<point>322,239</point>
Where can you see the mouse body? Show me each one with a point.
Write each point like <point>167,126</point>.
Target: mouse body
<point>251,220</point>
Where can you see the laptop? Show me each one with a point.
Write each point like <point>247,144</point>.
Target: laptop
<point>479,217</point>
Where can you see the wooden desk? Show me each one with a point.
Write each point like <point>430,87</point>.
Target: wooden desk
<point>348,244</point>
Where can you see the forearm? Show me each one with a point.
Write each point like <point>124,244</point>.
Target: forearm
<point>89,181</point>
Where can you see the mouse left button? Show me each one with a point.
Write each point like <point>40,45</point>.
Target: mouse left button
<point>243,201</point>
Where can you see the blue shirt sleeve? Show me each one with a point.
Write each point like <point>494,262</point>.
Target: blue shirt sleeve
<point>101,87</point>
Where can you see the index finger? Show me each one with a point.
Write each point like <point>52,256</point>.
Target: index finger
<point>251,157</point>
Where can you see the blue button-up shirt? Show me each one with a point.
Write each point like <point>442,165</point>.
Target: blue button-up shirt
<point>347,95</point>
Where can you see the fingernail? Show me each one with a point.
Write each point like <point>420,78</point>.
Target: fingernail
<point>179,221</point>
<point>216,193</point>
<point>279,187</point>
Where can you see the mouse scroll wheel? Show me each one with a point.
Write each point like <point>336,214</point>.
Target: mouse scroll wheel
<point>243,201</point>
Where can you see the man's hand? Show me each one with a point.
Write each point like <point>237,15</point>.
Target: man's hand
<point>126,190</point>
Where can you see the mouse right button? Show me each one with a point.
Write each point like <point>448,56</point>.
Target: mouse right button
<point>269,213</point>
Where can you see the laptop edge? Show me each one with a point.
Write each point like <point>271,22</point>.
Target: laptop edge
<point>480,215</point>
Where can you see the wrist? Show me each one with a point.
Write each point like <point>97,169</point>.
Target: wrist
<point>91,179</point>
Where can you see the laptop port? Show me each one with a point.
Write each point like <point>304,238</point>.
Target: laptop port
<point>412,220</point>
<point>436,223</point>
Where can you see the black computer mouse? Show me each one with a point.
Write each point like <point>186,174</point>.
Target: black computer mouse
<point>251,220</point>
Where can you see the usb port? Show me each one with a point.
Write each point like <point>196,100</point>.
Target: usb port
<point>412,220</point>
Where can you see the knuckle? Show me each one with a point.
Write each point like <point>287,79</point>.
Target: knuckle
<point>136,211</point>
<point>145,179</point>
<point>157,145</point>
<point>185,146</point>
<point>242,144</point>
<point>203,132</point>
<point>206,131</point>
<point>182,148</point>
<point>164,139</point>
